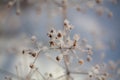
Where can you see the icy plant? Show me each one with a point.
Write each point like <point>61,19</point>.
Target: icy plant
<point>71,50</point>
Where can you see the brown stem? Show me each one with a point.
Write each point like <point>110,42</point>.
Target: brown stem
<point>64,2</point>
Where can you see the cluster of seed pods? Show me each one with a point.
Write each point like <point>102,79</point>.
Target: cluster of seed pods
<point>60,40</point>
<point>69,47</point>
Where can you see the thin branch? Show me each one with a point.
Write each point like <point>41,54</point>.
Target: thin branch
<point>34,62</point>
<point>60,77</point>
<point>64,58</point>
<point>75,72</point>
<point>41,75</point>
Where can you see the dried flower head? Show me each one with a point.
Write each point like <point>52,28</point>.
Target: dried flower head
<point>23,51</point>
<point>67,26</point>
<point>59,34</point>
<point>52,43</point>
<point>81,61</point>
<point>31,66</point>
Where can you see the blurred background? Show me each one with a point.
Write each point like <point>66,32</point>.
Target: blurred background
<point>37,16</point>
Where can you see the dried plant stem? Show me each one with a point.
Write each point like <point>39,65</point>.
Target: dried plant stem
<point>30,75</point>
<point>64,2</point>
<point>41,75</point>
<point>64,9</point>
<point>66,66</point>
<point>75,72</point>
<point>33,64</point>
<point>60,77</point>
<point>17,72</point>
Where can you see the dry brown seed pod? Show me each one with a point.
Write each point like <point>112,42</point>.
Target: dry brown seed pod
<point>52,43</point>
<point>57,58</point>
<point>33,54</point>
<point>66,23</point>
<point>31,66</point>
<point>74,43</point>
<point>59,35</point>
<point>23,51</point>
<point>52,31</point>
<point>81,61</point>
<point>49,35</point>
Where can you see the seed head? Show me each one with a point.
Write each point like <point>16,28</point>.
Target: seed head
<point>81,61</point>
<point>23,51</point>
<point>52,43</point>
<point>59,35</point>
<point>67,25</point>
<point>57,58</point>
<point>33,54</point>
<point>31,66</point>
<point>74,43</point>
